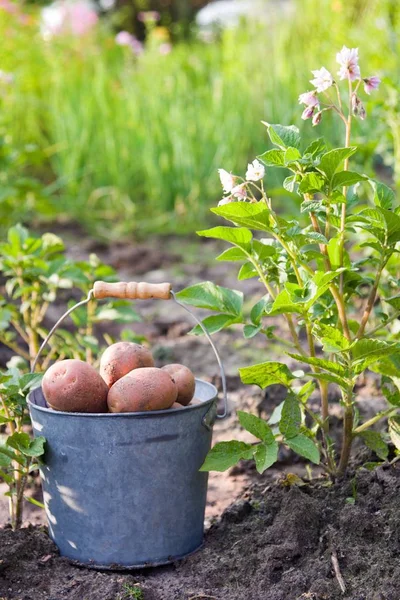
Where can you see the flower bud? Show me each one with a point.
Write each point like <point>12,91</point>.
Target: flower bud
<point>357,107</point>
<point>317,118</point>
<point>308,112</point>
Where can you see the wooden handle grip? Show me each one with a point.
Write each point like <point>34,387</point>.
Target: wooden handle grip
<point>132,290</point>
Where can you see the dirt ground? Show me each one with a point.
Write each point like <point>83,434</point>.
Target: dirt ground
<point>265,540</point>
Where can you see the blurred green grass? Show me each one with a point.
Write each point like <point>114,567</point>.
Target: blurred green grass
<point>134,145</point>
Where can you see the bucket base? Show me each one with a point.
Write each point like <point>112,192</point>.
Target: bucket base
<point>147,565</point>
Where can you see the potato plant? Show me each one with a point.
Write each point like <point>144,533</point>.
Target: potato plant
<point>36,273</point>
<point>19,454</point>
<point>330,271</point>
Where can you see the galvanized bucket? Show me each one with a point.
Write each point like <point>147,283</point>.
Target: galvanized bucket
<point>124,490</point>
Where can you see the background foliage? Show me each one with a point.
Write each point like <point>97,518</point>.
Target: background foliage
<point>114,138</point>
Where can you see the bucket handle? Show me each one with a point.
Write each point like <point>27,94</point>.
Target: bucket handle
<point>143,291</point>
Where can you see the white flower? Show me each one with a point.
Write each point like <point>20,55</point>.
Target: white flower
<point>309,98</point>
<point>239,191</point>
<point>226,200</point>
<point>255,171</point>
<point>227,180</point>
<point>322,79</point>
<point>348,61</point>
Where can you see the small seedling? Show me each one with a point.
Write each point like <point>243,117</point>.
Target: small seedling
<point>131,592</point>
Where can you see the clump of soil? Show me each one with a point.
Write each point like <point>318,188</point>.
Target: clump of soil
<point>275,542</point>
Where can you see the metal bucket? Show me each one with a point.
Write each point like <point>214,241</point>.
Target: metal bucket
<point>124,490</point>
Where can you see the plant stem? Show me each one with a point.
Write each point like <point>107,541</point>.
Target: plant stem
<point>347,436</point>
<point>288,317</point>
<point>375,419</point>
<point>345,167</point>
<point>370,301</point>
<point>382,325</point>
<point>19,505</point>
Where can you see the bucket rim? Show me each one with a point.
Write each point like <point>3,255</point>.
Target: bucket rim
<point>141,414</point>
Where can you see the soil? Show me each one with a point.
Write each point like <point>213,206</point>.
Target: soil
<point>275,542</point>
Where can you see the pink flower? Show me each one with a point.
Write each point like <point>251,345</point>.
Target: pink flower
<point>6,78</point>
<point>148,16</point>
<point>165,48</point>
<point>124,38</point>
<point>8,6</point>
<point>348,61</point>
<point>317,118</point>
<point>228,180</point>
<point>309,98</point>
<point>308,112</point>
<point>66,18</point>
<point>239,191</point>
<point>371,83</point>
<point>322,79</point>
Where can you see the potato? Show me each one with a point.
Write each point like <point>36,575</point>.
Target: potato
<point>142,389</point>
<point>184,380</point>
<point>176,405</point>
<point>195,401</point>
<point>74,386</point>
<point>121,358</point>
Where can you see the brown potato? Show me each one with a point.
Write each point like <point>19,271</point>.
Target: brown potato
<point>74,386</point>
<point>142,389</point>
<point>177,405</point>
<point>195,401</point>
<point>184,380</point>
<point>121,358</point>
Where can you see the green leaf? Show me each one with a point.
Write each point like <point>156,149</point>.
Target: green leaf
<point>302,445</point>
<point>226,454</point>
<point>255,215</point>
<point>390,389</point>
<point>291,417</point>
<point>311,183</point>
<point>284,304</point>
<point>233,255</point>
<point>5,459</point>
<point>394,431</point>
<point>213,324</point>
<point>346,178</point>
<point>292,155</point>
<point>332,160</point>
<point>273,158</point>
<point>249,331</point>
<point>289,183</point>
<point>393,301</point>
<point>214,297</point>
<point>258,310</point>
<point>265,456</point>
<point>316,147</point>
<point>305,392</point>
<point>384,195</point>
<point>322,363</point>
<point>265,374</point>
<point>366,347</point>
<point>240,236</point>
<point>256,426</point>
<point>23,443</point>
<point>283,136</point>
<point>247,271</point>
<point>374,441</point>
<point>331,378</point>
<point>331,338</point>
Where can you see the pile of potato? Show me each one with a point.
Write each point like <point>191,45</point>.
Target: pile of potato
<point>128,382</point>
